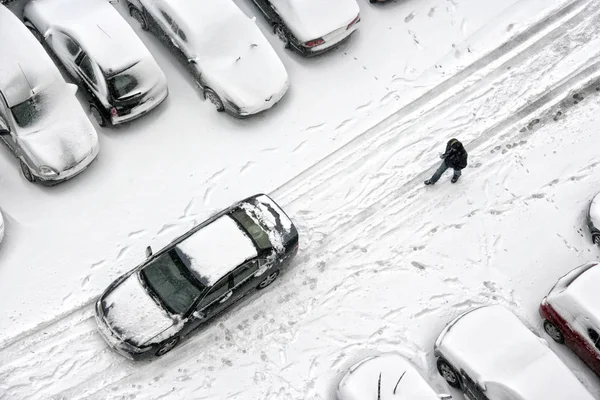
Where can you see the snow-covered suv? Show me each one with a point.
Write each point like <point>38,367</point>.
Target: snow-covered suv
<point>491,355</point>
<point>571,313</point>
<point>198,276</point>
<point>102,53</point>
<point>41,121</point>
<point>233,63</point>
<point>385,377</point>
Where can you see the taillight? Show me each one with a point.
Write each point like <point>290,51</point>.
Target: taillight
<point>313,43</point>
<point>354,21</point>
<point>114,112</point>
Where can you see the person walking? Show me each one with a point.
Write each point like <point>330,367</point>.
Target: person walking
<point>455,157</point>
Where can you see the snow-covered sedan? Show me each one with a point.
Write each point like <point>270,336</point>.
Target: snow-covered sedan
<point>41,121</point>
<point>571,313</point>
<point>491,355</point>
<point>234,65</point>
<point>198,276</point>
<point>593,219</point>
<point>102,53</point>
<point>385,377</point>
<point>311,27</point>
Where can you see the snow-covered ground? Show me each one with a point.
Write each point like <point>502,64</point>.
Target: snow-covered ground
<point>384,262</point>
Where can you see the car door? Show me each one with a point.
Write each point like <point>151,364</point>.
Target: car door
<point>66,50</point>
<point>244,278</point>
<point>89,73</point>
<point>218,298</point>
<point>593,352</point>
<point>267,9</point>
<point>471,388</point>
<point>8,135</point>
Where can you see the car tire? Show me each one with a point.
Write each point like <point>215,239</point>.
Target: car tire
<point>448,373</point>
<point>139,17</point>
<point>167,346</point>
<point>553,331</point>
<point>38,36</point>
<point>269,279</point>
<point>97,116</point>
<point>214,98</point>
<point>596,238</point>
<point>27,174</point>
<point>279,30</point>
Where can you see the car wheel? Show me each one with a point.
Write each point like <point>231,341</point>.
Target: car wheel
<point>553,332</point>
<point>596,239</point>
<point>97,115</point>
<point>139,17</point>
<point>268,280</point>
<point>280,32</point>
<point>167,346</point>
<point>27,172</point>
<point>448,373</point>
<point>34,31</point>
<point>214,98</point>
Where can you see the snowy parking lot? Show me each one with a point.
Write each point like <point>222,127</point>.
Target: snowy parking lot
<point>384,262</point>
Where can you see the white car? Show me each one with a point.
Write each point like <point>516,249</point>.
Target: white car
<point>41,121</point>
<point>311,27</point>
<point>385,377</point>
<point>1,228</point>
<point>234,65</point>
<point>489,354</point>
<point>102,53</point>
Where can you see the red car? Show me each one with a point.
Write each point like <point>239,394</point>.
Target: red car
<point>571,313</point>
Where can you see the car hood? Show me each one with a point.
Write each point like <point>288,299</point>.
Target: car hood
<point>249,75</point>
<point>594,211</point>
<point>312,19</point>
<point>132,314</point>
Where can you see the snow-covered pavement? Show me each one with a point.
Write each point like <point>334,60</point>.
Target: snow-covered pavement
<point>384,261</point>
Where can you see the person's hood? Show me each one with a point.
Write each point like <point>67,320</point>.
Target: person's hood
<point>132,314</point>
<point>313,19</point>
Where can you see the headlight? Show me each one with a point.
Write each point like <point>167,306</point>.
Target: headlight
<point>48,171</point>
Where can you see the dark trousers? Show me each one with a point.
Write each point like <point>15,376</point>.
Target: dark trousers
<point>440,171</point>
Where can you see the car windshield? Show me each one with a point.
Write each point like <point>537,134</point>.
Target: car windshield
<point>257,232</point>
<point>31,110</point>
<point>169,280</point>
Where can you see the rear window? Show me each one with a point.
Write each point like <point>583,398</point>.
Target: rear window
<point>122,85</point>
<point>257,232</point>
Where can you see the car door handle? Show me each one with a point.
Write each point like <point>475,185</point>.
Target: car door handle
<point>226,297</point>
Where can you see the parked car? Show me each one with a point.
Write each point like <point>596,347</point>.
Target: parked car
<point>311,27</point>
<point>593,219</point>
<point>1,228</point>
<point>234,65</point>
<point>198,276</point>
<point>571,313</point>
<point>489,354</point>
<point>41,121</point>
<point>385,377</point>
<point>102,53</point>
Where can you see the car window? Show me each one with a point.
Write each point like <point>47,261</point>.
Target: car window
<point>72,47</point>
<point>594,336</point>
<point>218,290</point>
<point>181,34</point>
<point>88,70</point>
<point>244,272</point>
<point>167,18</point>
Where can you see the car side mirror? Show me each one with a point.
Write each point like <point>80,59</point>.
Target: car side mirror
<point>445,396</point>
<point>193,60</point>
<point>198,315</point>
<point>72,88</point>
<point>148,252</point>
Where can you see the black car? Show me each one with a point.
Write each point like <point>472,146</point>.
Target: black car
<point>199,275</point>
<point>593,219</point>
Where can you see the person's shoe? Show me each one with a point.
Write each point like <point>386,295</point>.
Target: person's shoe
<point>454,179</point>
<point>429,182</point>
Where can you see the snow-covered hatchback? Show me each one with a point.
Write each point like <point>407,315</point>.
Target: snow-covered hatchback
<point>571,313</point>
<point>385,377</point>
<point>199,275</point>
<point>593,219</point>
<point>491,355</point>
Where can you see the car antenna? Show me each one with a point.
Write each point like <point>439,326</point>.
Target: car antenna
<point>27,80</point>
<point>399,379</point>
<point>379,388</point>
<point>103,31</point>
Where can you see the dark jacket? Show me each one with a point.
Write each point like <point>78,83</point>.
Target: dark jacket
<point>455,155</point>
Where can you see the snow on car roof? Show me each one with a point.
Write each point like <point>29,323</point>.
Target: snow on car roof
<point>24,64</point>
<point>312,19</point>
<point>216,249</point>
<point>98,28</point>
<point>399,380</point>
<point>493,346</point>
<point>581,297</point>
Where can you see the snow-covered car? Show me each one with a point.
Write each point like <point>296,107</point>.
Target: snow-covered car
<point>198,276</point>
<point>385,377</point>
<point>102,53</point>
<point>491,355</point>
<point>311,27</point>
<point>571,313</point>
<point>41,121</point>
<point>593,219</point>
<point>1,227</point>
<point>233,63</point>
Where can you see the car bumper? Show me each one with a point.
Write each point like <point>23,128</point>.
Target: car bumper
<point>330,43</point>
<point>237,112</point>
<point>69,173</point>
<point>141,109</point>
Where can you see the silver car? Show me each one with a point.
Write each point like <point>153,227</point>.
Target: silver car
<point>41,121</point>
